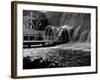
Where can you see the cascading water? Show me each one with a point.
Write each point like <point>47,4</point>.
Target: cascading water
<point>83,36</point>
<point>79,35</point>
<point>81,26</point>
<point>76,33</point>
<point>89,37</point>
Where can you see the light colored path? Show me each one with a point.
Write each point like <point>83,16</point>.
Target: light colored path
<point>73,46</point>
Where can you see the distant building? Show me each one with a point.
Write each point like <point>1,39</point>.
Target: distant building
<point>34,23</point>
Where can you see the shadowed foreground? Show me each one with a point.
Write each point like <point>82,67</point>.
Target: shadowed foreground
<point>58,56</point>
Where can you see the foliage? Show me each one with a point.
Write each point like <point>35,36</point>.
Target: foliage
<point>52,58</point>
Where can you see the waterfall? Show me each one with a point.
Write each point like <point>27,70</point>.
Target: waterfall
<point>76,32</point>
<point>83,36</point>
<point>89,37</point>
